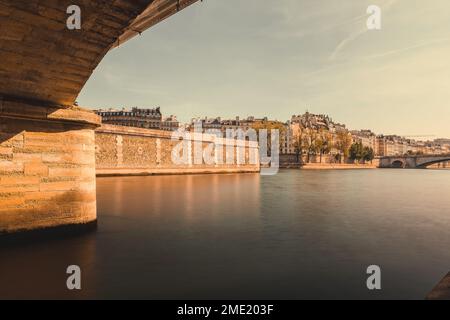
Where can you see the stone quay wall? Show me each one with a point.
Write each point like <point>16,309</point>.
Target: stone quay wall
<point>292,161</point>
<point>135,151</point>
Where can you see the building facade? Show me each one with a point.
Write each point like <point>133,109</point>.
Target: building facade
<point>366,137</point>
<point>170,123</point>
<point>136,117</point>
<point>147,118</point>
<point>308,128</point>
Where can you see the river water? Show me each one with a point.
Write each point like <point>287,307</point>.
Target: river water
<point>296,235</point>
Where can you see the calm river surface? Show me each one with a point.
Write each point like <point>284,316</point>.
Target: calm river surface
<point>299,234</point>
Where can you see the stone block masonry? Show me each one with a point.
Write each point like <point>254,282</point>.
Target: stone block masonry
<point>135,151</point>
<point>47,166</point>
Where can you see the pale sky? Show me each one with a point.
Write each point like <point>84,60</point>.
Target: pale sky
<point>278,58</point>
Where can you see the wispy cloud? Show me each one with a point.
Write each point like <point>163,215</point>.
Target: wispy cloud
<point>408,48</point>
<point>344,43</point>
<point>359,32</point>
<point>397,51</point>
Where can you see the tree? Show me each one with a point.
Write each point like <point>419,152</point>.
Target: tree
<point>324,143</point>
<point>359,152</point>
<point>269,126</point>
<point>311,138</point>
<point>299,144</point>
<point>356,151</point>
<point>368,154</point>
<point>343,143</point>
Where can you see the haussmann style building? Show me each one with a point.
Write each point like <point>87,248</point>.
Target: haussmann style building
<point>139,118</point>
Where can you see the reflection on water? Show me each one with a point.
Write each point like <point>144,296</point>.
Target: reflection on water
<point>299,234</point>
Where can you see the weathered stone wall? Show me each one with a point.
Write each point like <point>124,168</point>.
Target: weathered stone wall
<point>47,167</point>
<point>128,151</point>
<point>291,161</point>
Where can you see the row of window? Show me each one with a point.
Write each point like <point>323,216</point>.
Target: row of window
<point>128,114</point>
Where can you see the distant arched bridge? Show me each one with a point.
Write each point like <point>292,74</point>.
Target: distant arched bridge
<point>411,162</point>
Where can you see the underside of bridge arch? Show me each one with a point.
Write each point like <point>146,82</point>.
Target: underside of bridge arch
<point>47,147</point>
<point>430,163</point>
<point>398,164</point>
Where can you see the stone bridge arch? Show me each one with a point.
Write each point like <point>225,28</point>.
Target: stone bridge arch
<point>423,162</point>
<point>398,163</point>
<point>47,147</point>
<point>412,162</point>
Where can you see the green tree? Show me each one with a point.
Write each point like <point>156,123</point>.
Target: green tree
<point>368,154</point>
<point>359,152</point>
<point>356,151</point>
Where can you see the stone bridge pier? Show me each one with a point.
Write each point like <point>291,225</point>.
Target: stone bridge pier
<point>47,166</point>
<point>47,147</point>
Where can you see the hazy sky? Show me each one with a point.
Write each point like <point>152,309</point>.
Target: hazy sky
<point>279,58</point>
